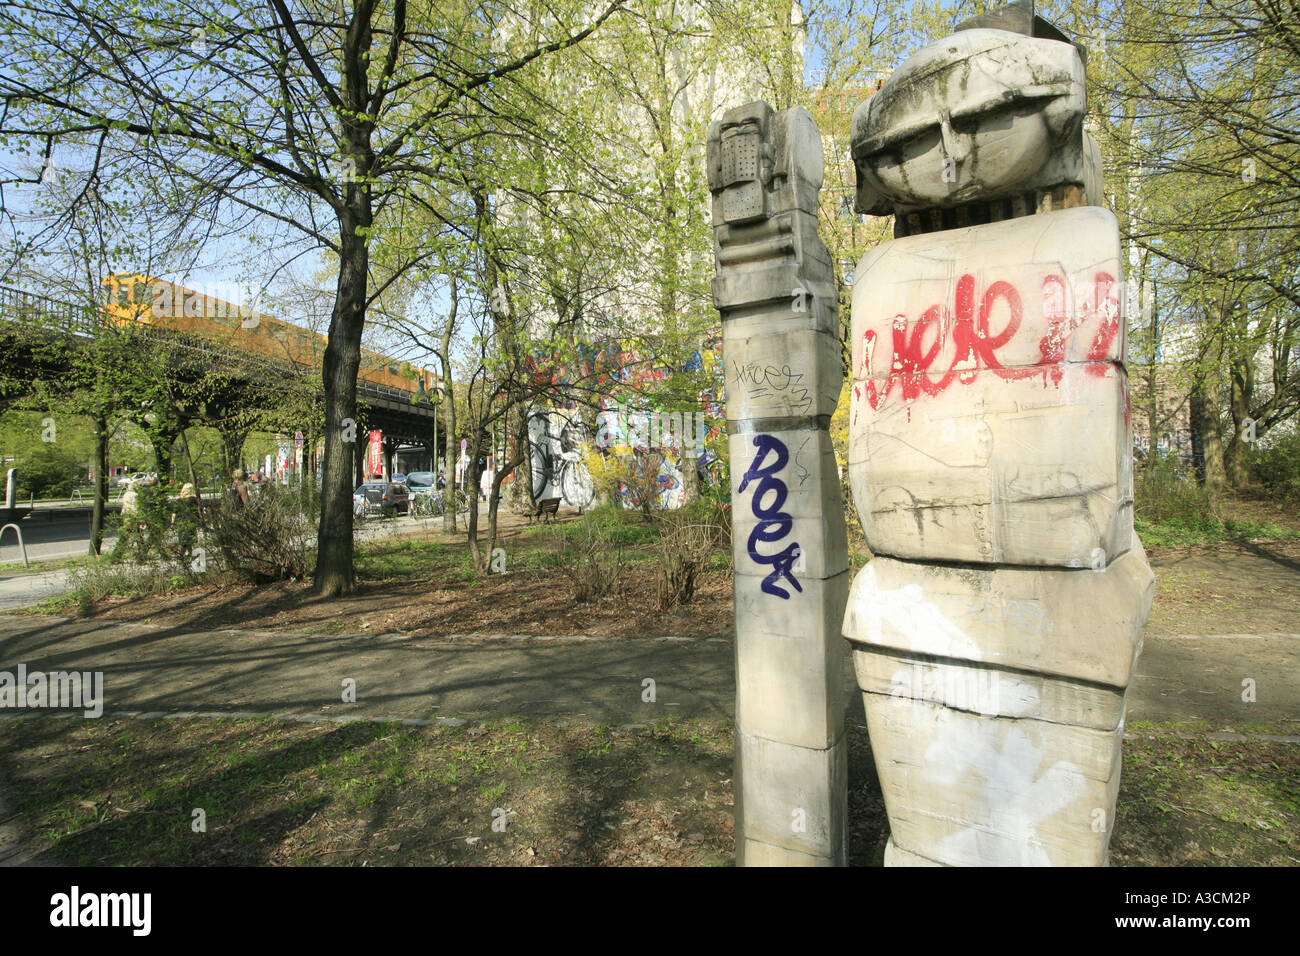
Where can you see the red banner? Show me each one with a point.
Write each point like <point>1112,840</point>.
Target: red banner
<point>375,458</point>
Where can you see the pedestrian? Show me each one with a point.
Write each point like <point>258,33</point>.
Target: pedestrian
<point>185,520</point>
<point>239,490</point>
<point>130,499</point>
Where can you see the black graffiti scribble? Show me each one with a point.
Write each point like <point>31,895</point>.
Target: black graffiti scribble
<point>765,381</point>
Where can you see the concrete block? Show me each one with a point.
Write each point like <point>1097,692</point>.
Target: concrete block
<point>989,470</point>
<point>781,375</point>
<point>966,790</point>
<point>790,684</point>
<point>987,690</point>
<point>793,499</point>
<point>793,797</point>
<point>1084,625</point>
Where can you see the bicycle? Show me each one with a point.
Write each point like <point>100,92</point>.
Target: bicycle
<point>426,505</point>
<point>574,481</point>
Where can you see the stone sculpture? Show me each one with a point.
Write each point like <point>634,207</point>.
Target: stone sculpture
<point>774,287</point>
<point>996,631</point>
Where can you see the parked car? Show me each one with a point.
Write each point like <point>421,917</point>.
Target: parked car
<point>378,497</point>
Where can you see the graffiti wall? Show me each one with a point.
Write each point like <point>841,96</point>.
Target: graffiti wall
<point>557,440</point>
<point>628,372</point>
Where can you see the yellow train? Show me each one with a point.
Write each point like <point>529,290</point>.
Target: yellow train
<point>230,315</point>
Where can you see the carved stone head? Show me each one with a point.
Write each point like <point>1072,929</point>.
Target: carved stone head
<point>980,115</point>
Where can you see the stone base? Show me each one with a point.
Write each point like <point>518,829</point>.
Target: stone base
<point>757,853</point>
<point>963,789</point>
<point>997,735</point>
<point>897,857</point>
<point>792,800</point>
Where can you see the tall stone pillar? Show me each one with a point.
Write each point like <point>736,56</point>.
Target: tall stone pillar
<point>775,290</point>
<point>997,629</point>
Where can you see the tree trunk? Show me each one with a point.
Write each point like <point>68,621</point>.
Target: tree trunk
<point>449,416</point>
<point>1215,475</point>
<point>449,452</point>
<point>521,487</point>
<point>1153,387</point>
<point>1236,471</point>
<point>334,574</point>
<point>690,478</point>
<point>307,474</point>
<point>472,481</point>
<point>162,440</point>
<point>232,448</point>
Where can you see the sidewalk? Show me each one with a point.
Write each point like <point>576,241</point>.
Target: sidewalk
<point>159,669</point>
<point>25,588</point>
<point>156,669</point>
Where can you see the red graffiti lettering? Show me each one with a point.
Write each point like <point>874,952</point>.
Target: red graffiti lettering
<point>976,342</point>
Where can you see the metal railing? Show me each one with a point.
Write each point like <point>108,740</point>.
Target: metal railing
<point>18,531</point>
<point>32,308</point>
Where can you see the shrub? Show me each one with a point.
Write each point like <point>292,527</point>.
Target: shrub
<point>93,582</point>
<point>1277,467</point>
<point>593,558</point>
<point>1170,495</point>
<point>142,533</point>
<point>46,471</point>
<point>715,513</point>
<point>272,539</point>
<point>685,546</point>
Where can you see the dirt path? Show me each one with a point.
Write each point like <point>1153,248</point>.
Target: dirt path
<point>1237,588</point>
<point>153,669</point>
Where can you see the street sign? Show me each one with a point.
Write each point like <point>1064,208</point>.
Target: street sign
<point>297,439</point>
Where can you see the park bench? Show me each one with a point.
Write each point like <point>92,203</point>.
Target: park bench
<point>544,508</point>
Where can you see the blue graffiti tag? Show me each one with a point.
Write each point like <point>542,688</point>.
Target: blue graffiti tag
<point>773,523</point>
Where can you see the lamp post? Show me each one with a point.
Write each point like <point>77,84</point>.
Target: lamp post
<point>422,395</point>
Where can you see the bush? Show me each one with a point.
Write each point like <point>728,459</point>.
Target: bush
<point>1277,467</point>
<point>593,557</point>
<point>142,533</point>
<point>1170,495</point>
<point>715,513</point>
<point>94,582</point>
<point>685,546</point>
<point>273,539</point>
<point>46,471</point>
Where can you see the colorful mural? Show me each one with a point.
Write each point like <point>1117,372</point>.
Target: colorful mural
<point>625,426</point>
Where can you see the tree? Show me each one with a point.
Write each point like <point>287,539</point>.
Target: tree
<point>1208,98</point>
<point>320,119</point>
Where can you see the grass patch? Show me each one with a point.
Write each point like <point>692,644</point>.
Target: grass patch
<point>48,564</point>
<point>124,792</point>
<point>1172,510</point>
<point>391,558</point>
<point>1189,800</point>
<point>1180,533</point>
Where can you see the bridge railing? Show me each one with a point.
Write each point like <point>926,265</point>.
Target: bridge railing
<point>19,305</point>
